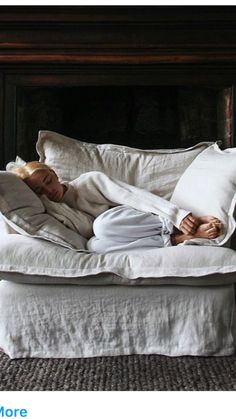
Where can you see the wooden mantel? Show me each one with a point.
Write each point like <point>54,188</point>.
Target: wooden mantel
<point>119,35</point>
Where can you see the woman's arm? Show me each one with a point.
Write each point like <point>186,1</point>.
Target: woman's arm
<point>97,190</point>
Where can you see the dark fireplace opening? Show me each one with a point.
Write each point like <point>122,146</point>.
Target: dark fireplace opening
<point>146,117</point>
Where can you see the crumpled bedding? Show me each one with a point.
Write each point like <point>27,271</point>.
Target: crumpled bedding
<point>61,321</point>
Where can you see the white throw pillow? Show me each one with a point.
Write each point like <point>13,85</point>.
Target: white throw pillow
<point>208,187</point>
<point>155,170</point>
<point>23,211</point>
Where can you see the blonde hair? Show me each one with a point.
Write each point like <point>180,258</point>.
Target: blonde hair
<point>26,170</point>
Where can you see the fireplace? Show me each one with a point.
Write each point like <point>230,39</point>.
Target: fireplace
<point>141,116</point>
<point>147,77</point>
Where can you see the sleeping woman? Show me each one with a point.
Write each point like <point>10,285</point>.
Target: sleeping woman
<point>114,215</point>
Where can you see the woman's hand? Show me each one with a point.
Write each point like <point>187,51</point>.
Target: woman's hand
<point>189,224</point>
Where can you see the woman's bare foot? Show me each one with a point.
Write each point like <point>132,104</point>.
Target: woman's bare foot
<point>190,223</point>
<point>207,219</point>
<point>205,231</point>
<point>209,230</point>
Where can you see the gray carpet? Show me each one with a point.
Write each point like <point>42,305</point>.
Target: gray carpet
<point>122,373</point>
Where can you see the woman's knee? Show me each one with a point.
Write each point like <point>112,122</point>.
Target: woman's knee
<point>101,226</point>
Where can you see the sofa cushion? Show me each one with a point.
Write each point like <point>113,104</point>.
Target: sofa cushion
<point>48,263</point>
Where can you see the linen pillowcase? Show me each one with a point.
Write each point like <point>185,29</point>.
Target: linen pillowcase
<point>23,211</point>
<point>208,187</point>
<point>155,170</point>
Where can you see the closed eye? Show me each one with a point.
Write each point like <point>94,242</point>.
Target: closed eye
<point>48,180</point>
<point>38,191</point>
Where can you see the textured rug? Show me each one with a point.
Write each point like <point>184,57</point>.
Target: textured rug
<point>122,373</point>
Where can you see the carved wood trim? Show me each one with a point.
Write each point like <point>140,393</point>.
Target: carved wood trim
<point>121,59</point>
<point>131,35</point>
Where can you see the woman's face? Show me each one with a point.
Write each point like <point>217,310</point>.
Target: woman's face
<point>45,182</point>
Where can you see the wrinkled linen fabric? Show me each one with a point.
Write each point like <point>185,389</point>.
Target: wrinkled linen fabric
<point>60,321</point>
<point>93,193</point>
<point>72,218</point>
<point>141,266</point>
<point>89,195</point>
<point>23,211</point>
<point>123,228</point>
<point>154,170</point>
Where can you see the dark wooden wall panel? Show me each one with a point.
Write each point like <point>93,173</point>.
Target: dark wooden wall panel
<point>2,146</point>
<point>70,47</point>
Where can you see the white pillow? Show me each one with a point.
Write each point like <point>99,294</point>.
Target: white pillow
<point>23,211</point>
<point>50,263</point>
<point>155,170</point>
<point>208,187</point>
<point>5,228</point>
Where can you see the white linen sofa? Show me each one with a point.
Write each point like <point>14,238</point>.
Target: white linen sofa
<point>59,300</point>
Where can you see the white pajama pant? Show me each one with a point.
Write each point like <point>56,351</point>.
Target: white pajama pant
<point>125,228</point>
